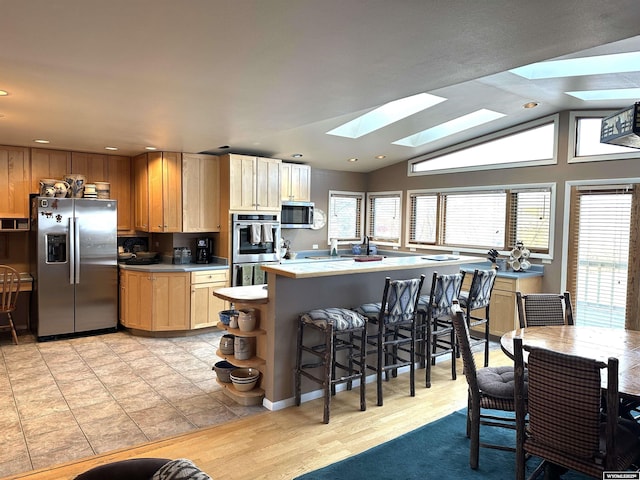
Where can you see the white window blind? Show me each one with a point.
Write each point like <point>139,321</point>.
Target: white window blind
<point>474,219</point>
<point>385,217</point>
<point>423,218</point>
<point>345,216</point>
<point>530,213</point>
<point>598,269</point>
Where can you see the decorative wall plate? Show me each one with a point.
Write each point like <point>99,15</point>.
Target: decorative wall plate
<point>319,219</point>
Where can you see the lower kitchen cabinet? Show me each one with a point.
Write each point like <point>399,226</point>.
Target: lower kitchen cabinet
<point>155,301</point>
<point>171,301</point>
<point>204,306</point>
<point>503,313</point>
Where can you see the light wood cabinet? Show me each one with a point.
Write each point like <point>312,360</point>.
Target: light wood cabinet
<point>135,300</point>
<point>204,305</point>
<point>295,182</point>
<point>116,170</point>
<point>94,166</point>
<point>158,192</point>
<point>253,183</point>
<point>155,301</point>
<point>48,164</point>
<point>14,182</point>
<point>120,186</point>
<point>200,193</point>
<point>140,193</point>
<point>503,314</point>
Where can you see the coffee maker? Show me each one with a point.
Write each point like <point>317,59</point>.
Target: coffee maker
<point>204,250</point>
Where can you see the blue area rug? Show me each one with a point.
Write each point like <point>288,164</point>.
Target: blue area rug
<point>437,451</point>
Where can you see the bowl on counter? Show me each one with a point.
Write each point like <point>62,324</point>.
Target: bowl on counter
<point>244,379</point>
<point>125,256</point>
<point>146,255</point>
<point>223,370</point>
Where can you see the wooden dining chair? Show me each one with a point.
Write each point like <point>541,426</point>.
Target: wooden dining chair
<point>490,389</point>
<point>9,297</point>
<point>569,426</point>
<point>544,309</point>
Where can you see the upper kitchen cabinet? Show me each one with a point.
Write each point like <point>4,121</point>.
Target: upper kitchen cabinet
<point>48,164</point>
<point>295,182</point>
<point>250,183</point>
<point>14,182</point>
<point>158,192</point>
<point>114,169</point>
<point>94,166</point>
<point>200,193</point>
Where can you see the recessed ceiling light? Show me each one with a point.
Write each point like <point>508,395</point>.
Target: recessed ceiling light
<point>3,93</point>
<point>352,160</point>
<point>297,155</point>
<point>380,157</point>
<point>39,140</point>
<point>150,148</point>
<point>111,148</point>
<point>385,115</point>
<point>574,67</point>
<point>224,147</point>
<point>456,125</point>
<point>530,105</point>
<point>613,94</point>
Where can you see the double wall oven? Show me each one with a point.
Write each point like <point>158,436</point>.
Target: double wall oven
<point>255,241</point>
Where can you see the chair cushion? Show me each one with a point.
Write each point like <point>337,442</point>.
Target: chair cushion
<point>496,381</point>
<point>340,318</point>
<point>369,310</point>
<point>180,469</point>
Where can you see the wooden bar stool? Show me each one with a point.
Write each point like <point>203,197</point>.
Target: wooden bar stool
<point>437,335</point>
<point>341,330</point>
<point>394,341</point>
<point>474,302</point>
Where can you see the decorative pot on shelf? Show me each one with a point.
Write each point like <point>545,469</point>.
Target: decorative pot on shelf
<point>227,343</point>
<point>247,320</point>
<point>243,348</point>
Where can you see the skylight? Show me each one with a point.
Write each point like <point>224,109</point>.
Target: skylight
<point>456,125</point>
<point>613,94</point>
<point>574,67</point>
<point>385,115</point>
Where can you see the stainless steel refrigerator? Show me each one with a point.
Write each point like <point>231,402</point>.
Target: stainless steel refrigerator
<point>74,265</point>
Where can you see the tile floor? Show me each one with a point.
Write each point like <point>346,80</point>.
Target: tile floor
<point>72,398</point>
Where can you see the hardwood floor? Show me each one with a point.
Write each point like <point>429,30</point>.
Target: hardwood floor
<point>289,442</point>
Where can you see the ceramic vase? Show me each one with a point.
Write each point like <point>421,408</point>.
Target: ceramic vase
<point>243,348</point>
<point>246,320</point>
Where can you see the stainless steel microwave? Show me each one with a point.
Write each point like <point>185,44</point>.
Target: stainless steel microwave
<point>296,215</point>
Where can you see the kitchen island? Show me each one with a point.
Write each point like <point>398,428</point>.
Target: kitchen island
<point>298,287</point>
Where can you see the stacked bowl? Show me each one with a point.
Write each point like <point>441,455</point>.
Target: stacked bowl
<point>244,379</point>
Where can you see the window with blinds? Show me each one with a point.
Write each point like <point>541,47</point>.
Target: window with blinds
<point>384,217</point>
<point>479,219</point>
<point>598,263</point>
<point>346,216</point>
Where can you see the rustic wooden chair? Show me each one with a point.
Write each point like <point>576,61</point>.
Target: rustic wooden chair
<point>477,299</point>
<point>394,341</point>
<point>10,279</point>
<point>490,388</point>
<point>340,330</point>
<point>569,425</point>
<point>436,333</point>
<point>543,309</point>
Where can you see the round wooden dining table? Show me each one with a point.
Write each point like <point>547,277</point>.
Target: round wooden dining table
<point>598,343</point>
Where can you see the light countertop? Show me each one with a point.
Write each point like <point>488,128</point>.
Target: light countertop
<point>169,267</point>
<point>342,266</point>
<point>244,294</point>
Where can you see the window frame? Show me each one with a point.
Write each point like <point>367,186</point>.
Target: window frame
<point>572,145</point>
<point>554,119</point>
<point>369,225</point>
<point>361,214</point>
<point>480,250</point>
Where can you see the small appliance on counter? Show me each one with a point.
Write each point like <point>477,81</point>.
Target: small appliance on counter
<point>181,255</point>
<point>204,250</point>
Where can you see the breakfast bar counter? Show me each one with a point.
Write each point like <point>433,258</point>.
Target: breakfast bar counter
<point>297,287</point>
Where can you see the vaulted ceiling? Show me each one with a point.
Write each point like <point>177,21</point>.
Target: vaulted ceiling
<point>271,77</point>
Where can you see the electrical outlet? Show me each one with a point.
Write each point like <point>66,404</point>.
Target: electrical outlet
<point>412,249</point>
<point>395,248</point>
<point>314,246</point>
